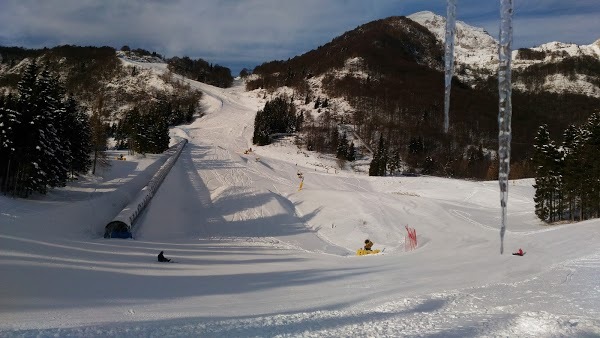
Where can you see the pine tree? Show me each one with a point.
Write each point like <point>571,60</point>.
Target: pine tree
<point>572,173</point>
<point>9,118</point>
<point>379,163</point>
<point>261,129</point>
<point>589,160</point>
<point>53,142</point>
<point>99,140</point>
<point>157,133</point>
<point>36,145</point>
<point>342,147</point>
<point>542,186</point>
<point>79,133</point>
<point>384,156</point>
<point>394,163</point>
<point>31,176</point>
<point>299,121</point>
<point>351,152</point>
<point>278,116</point>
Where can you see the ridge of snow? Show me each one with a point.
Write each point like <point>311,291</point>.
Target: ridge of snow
<point>476,54</point>
<point>571,49</point>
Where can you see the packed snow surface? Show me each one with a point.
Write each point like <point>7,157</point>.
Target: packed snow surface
<point>256,256</point>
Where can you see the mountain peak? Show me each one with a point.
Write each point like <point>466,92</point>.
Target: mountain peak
<point>473,45</point>
<point>425,15</point>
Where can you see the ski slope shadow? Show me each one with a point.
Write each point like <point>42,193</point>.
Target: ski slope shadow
<point>183,208</point>
<point>72,213</point>
<point>64,267</point>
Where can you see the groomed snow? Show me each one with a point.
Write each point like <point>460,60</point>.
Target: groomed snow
<point>256,257</point>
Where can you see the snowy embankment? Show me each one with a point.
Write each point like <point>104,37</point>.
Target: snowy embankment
<point>256,257</point>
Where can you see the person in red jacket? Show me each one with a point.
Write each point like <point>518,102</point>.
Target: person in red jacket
<point>519,253</point>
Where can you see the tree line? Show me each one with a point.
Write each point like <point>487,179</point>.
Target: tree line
<point>201,70</point>
<point>47,136</point>
<point>145,127</point>
<point>567,179</point>
<point>280,116</point>
<point>44,135</point>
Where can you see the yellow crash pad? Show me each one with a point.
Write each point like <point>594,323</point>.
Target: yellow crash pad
<point>362,252</point>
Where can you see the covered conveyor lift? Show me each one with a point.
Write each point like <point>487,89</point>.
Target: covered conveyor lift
<point>121,226</point>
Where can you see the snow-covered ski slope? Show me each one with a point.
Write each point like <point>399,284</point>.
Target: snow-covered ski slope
<point>257,257</point>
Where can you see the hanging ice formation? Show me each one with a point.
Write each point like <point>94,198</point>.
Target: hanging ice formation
<point>504,91</point>
<point>449,59</point>
<point>505,108</point>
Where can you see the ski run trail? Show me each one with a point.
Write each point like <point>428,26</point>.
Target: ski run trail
<point>257,257</point>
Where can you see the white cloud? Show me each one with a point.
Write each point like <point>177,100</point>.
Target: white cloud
<point>248,31</point>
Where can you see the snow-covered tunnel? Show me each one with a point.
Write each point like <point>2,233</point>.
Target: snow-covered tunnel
<point>121,226</point>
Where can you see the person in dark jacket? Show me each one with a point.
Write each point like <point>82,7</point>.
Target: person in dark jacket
<point>368,244</point>
<point>161,258</point>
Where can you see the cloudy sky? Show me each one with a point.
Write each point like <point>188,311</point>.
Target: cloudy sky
<point>245,33</point>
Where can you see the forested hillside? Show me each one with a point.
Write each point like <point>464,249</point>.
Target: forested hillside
<point>49,96</point>
<point>389,72</point>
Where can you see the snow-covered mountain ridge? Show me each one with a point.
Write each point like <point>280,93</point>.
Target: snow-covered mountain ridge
<point>476,55</point>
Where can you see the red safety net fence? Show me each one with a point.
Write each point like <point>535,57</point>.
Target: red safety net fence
<point>410,242</point>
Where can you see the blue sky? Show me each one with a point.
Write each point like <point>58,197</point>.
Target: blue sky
<point>245,33</point>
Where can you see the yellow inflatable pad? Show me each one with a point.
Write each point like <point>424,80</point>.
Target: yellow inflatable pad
<point>362,252</point>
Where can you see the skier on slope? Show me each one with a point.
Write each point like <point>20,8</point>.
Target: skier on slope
<point>161,258</point>
<point>368,244</point>
<point>519,253</point>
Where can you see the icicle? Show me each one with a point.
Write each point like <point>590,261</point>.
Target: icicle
<point>449,58</point>
<point>505,108</point>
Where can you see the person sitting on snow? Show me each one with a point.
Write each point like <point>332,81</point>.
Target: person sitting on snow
<point>161,258</point>
<point>519,253</point>
<point>368,244</point>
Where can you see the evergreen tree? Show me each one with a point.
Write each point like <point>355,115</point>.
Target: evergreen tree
<point>394,163</point>
<point>278,116</point>
<point>9,118</point>
<point>379,162</point>
<point>573,174</point>
<point>342,148</point>
<point>157,133</point>
<point>384,157</point>
<point>79,133</point>
<point>35,134</point>
<point>262,129</point>
<point>55,146</point>
<point>351,152</point>
<point>30,172</point>
<point>543,190</point>
<point>99,139</point>
<point>589,160</point>
<point>300,121</point>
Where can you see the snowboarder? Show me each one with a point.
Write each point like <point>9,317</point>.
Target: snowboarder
<point>161,258</point>
<point>368,244</point>
<point>519,253</point>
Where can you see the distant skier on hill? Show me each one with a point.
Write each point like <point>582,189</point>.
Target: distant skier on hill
<point>368,244</point>
<point>161,258</point>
